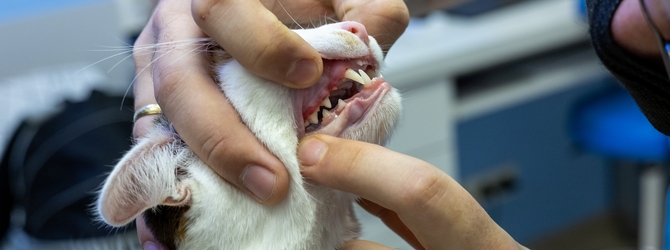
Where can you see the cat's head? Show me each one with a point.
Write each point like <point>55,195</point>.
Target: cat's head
<point>350,100</point>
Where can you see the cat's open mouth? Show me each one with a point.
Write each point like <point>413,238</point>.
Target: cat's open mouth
<point>345,94</point>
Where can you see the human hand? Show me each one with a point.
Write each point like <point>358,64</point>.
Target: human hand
<point>632,32</point>
<point>422,204</point>
<point>173,74</point>
<point>178,79</point>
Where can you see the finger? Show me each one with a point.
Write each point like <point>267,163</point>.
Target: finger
<point>351,163</point>
<point>424,197</point>
<point>385,20</point>
<point>391,220</point>
<point>147,239</point>
<point>143,88</point>
<point>259,41</point>
<point>363,245</point>
<point>181,81</point>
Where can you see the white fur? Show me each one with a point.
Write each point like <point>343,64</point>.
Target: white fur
<point>221,216</point>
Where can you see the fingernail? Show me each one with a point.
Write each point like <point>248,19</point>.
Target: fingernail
<point>311,152</point>
<point>150,246</point>
<point>260,181</point>
<point>302,72</point>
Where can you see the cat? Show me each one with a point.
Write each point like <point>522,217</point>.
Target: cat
<point>188,206</point>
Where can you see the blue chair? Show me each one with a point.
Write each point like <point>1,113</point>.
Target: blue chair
<point>612,125</point>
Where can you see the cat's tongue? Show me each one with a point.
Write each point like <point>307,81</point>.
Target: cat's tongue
<point>336,103</point>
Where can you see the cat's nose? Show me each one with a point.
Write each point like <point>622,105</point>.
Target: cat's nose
<point>358,30</point>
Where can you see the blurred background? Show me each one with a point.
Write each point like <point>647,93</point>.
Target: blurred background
<point>492,90</point>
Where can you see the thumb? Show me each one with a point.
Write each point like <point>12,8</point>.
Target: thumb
<point>367,170</point>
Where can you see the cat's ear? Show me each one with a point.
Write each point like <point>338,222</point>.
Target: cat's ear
<point>145,177</point>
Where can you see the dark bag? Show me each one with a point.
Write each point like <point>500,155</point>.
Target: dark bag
<point>53,168</point>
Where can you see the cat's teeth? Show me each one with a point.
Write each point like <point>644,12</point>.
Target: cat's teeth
<point>340,104</point>
<point>326,103</point>
<point>372,73</point>
<point>351,74</point>
<point>367,82</point>
<point>314,118</point>
<point>360,63</point>
<point>327,113</point>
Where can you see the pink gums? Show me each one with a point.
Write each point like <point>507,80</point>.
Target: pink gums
<point>307,101</point>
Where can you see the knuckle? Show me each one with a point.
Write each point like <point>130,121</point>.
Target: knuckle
<point>166,80</point>
<point>214,147</point>
<point>264,57</point>
<point>423,190</point>
<point>358,159</point>
<point>201,9</point>
<point>142,56</point>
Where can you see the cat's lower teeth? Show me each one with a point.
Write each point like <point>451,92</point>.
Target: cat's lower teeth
<point>313,118</point>
<point>340,105</point>
<point>324,113</point>
<point>327,113</point>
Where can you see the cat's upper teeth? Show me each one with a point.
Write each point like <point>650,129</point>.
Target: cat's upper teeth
<point>366,79</point>
<point>360,77</point>
<point>326,103</point>
<point>351,74</point>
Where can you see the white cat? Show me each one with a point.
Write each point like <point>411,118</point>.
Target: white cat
<point>188,206</point>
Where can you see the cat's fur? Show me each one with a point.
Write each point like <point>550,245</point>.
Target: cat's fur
<point>197,209</point>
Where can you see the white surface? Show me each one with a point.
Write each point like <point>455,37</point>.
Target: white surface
<point>442,46</point>
<point>133,14</point>
<point>85,33</point>
<point>53,57</point>
<point>426,126</point>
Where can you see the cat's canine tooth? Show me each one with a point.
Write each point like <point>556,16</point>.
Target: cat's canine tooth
<point>340,104</point>
<point>327,113</point>
<point>307,123</point>
<point>351,74</point>
<point>367,82</point>
<point>314,118</point>
<point>326,103</point>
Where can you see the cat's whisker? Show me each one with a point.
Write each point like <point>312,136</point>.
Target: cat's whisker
<point>117,64</point>
<point>113,48</point>
<point>152,62</point>
<point>331,19</point>
<point>289,14</point>
<point>99,61</point>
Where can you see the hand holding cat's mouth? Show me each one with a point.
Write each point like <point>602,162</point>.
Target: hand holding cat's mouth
<point>342,98</point>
